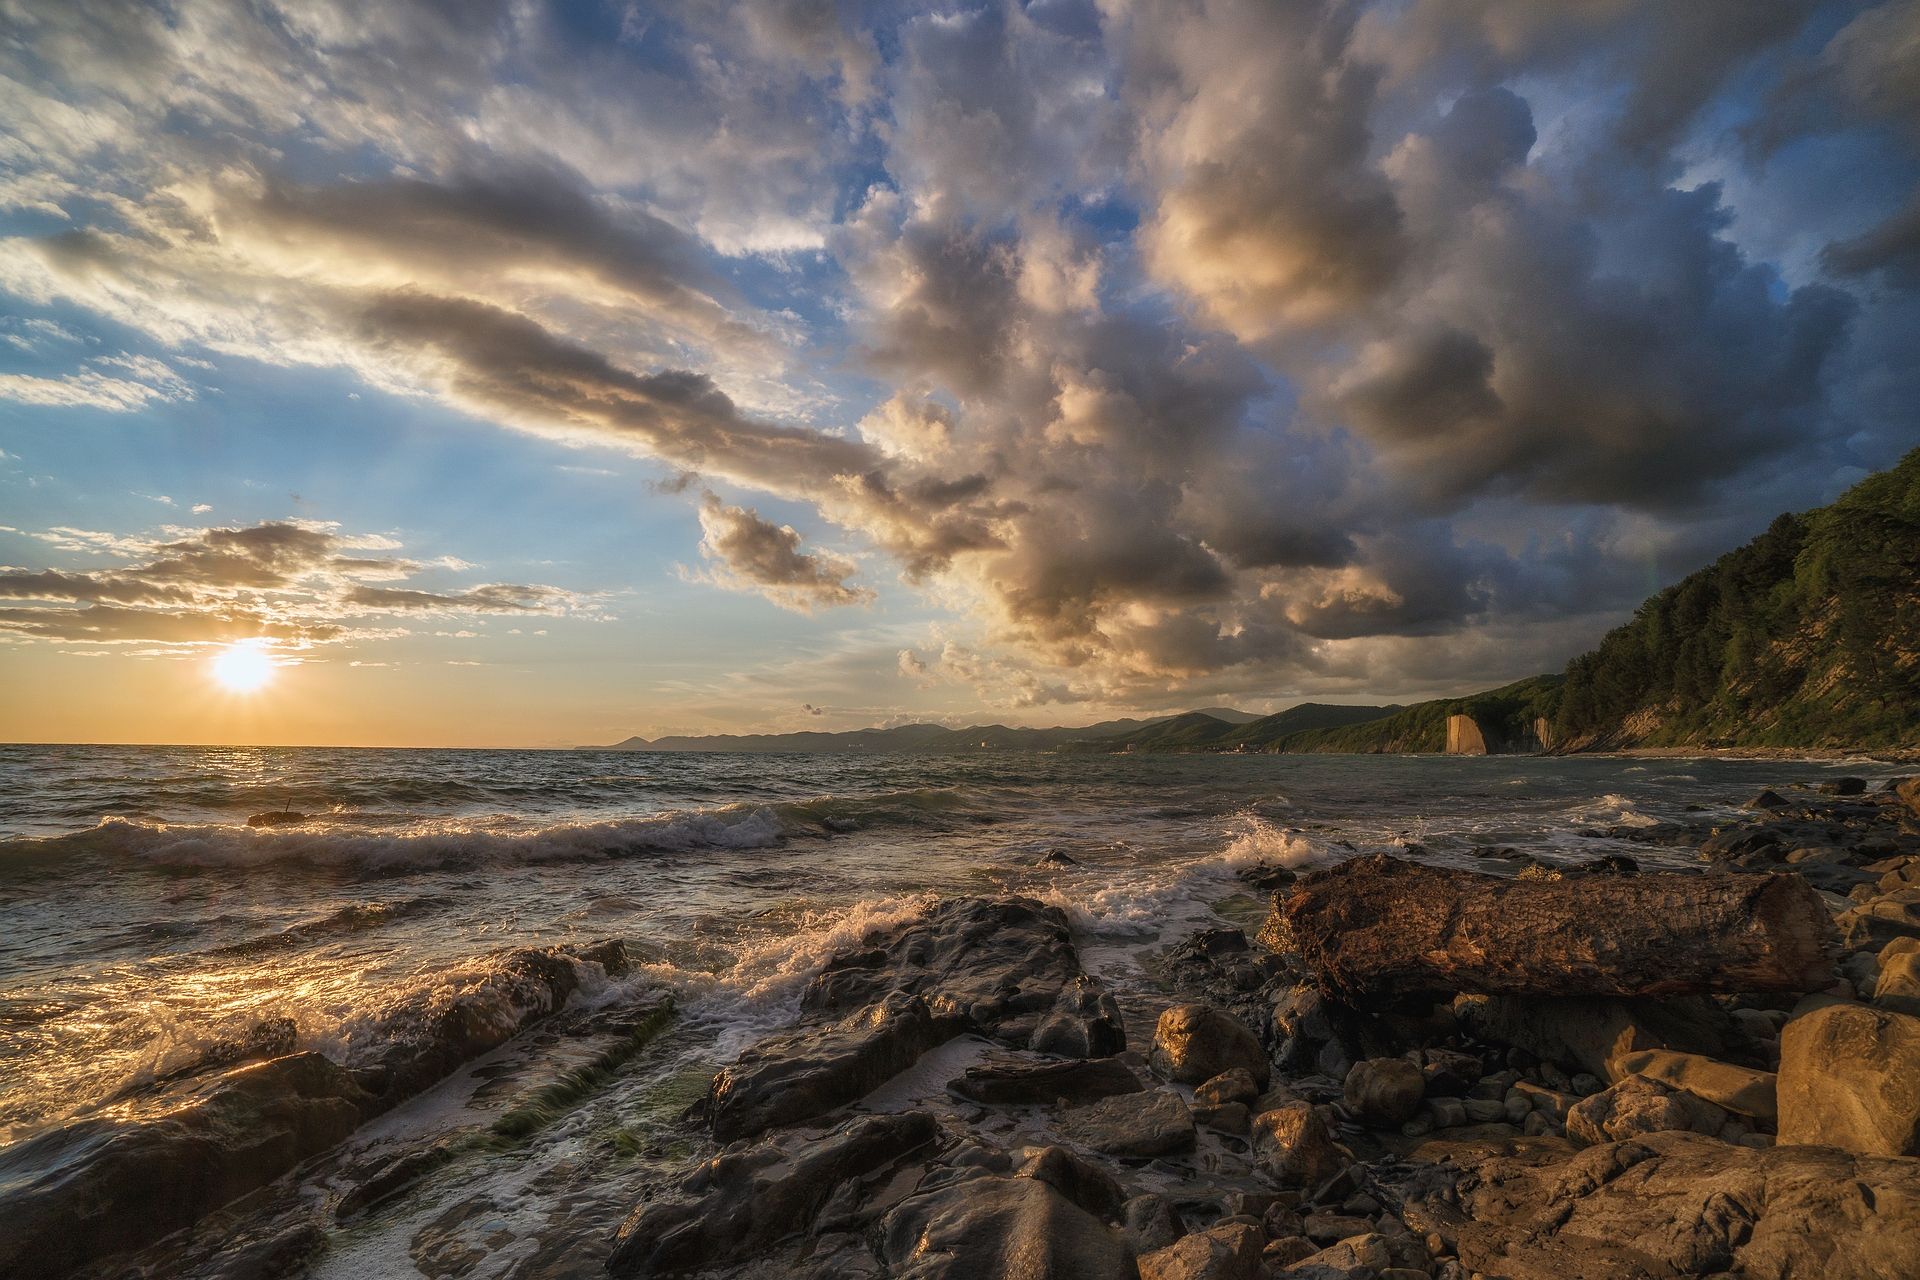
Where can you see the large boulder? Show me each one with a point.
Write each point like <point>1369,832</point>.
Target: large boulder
<point>1669,1204</point>
<point>1385,1092</point>
<point>986,1227</point>
<point>1908,789</point>
<point>743,1202</point>
<point>1227,1252</point>
<point>1003,967</point>
<point>1850,1078</point>
<point>1193,1043</point>
<point>1156,1123</point>
<point>804,1074</point>
<point>1742,1090</point>
<point>1292,1146</point>
<point>1638,1105</point>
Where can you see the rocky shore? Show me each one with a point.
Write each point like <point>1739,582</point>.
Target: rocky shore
<point>1537,1072</point>
<point>960,1102</point>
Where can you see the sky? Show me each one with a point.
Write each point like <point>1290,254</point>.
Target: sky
<point>511,373</point>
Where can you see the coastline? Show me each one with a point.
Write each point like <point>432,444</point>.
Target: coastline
<point>956,1091</point>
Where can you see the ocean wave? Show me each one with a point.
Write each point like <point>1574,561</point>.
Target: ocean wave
<point>427,845</point>
<point>399,842</point>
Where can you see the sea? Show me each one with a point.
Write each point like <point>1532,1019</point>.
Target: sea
<point>143,920</point>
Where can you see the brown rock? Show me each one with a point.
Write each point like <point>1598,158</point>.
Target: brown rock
<point>1639,1105</point>
<point>1850,1078</point>
<point>1237,1085</point>
<point>1193,1043</point>
<point>1227,1252</point>
<point>1292,1145</point>
<point>1742,1090</point>
<point>1384,1092</point>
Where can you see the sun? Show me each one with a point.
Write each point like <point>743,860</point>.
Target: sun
<point>243,666</point>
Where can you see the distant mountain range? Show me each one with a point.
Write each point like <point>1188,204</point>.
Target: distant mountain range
<point>1211,729</point>
<point>1808,636</point>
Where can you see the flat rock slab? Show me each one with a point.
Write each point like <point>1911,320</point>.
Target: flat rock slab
<point>1670,1204</point>
<point>1155,1123</point>
<point>1028,1082</point>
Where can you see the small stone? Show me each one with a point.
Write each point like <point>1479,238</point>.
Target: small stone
<point>1485,1110</point>
<point>1236,1085</point>
<point>1230,1117</point>
<point>1447,1113</point>
<point>1587,1085</point>
<point>1149,1222</point>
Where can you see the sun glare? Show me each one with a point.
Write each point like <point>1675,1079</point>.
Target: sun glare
<point>243,666</point>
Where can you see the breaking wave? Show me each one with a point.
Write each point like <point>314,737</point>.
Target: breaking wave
<point>392,843</point>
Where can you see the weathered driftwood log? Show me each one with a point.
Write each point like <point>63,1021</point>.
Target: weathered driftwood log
<point>1381,926</point>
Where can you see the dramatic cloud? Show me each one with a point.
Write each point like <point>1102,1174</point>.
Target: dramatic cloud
<point>1162,345</point>
<point>757,555</point>
<point>297,583</point>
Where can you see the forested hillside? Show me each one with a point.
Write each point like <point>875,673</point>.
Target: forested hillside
<point>1808,636</point>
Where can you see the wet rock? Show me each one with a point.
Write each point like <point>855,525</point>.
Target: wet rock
<point>1848,786</point>
<point>96,1188</point>
<point>992,1228</point>
<point>1769,800</point>
<point>1155,1123</point>
<point>1001,967</point>
<point>1193,1043</point>
<point>1669,1204</point>
<point>743,1201</point>
<point>1078,1179</point>
<point>1055,858</point>
<point>428,1037</point>
<point>390,1179</point>
<point>1741,1090</point>
<point>1302,1026</point>
<point>1384,1092</point>
<point>1150,1223</point>
<point>1292,1146</point>
<point>282,1254</point>
<point>1235,1085</point>
<point>1449,1073</point>
<point>1027,1083</point>
<point>1850,1078</point>
<point>801,1075</point>
<point>1223,1252</point>
<point>1084,1022</point>
<point>1637,1106</point>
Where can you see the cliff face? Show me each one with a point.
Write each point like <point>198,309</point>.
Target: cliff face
<point>1808,636</point>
